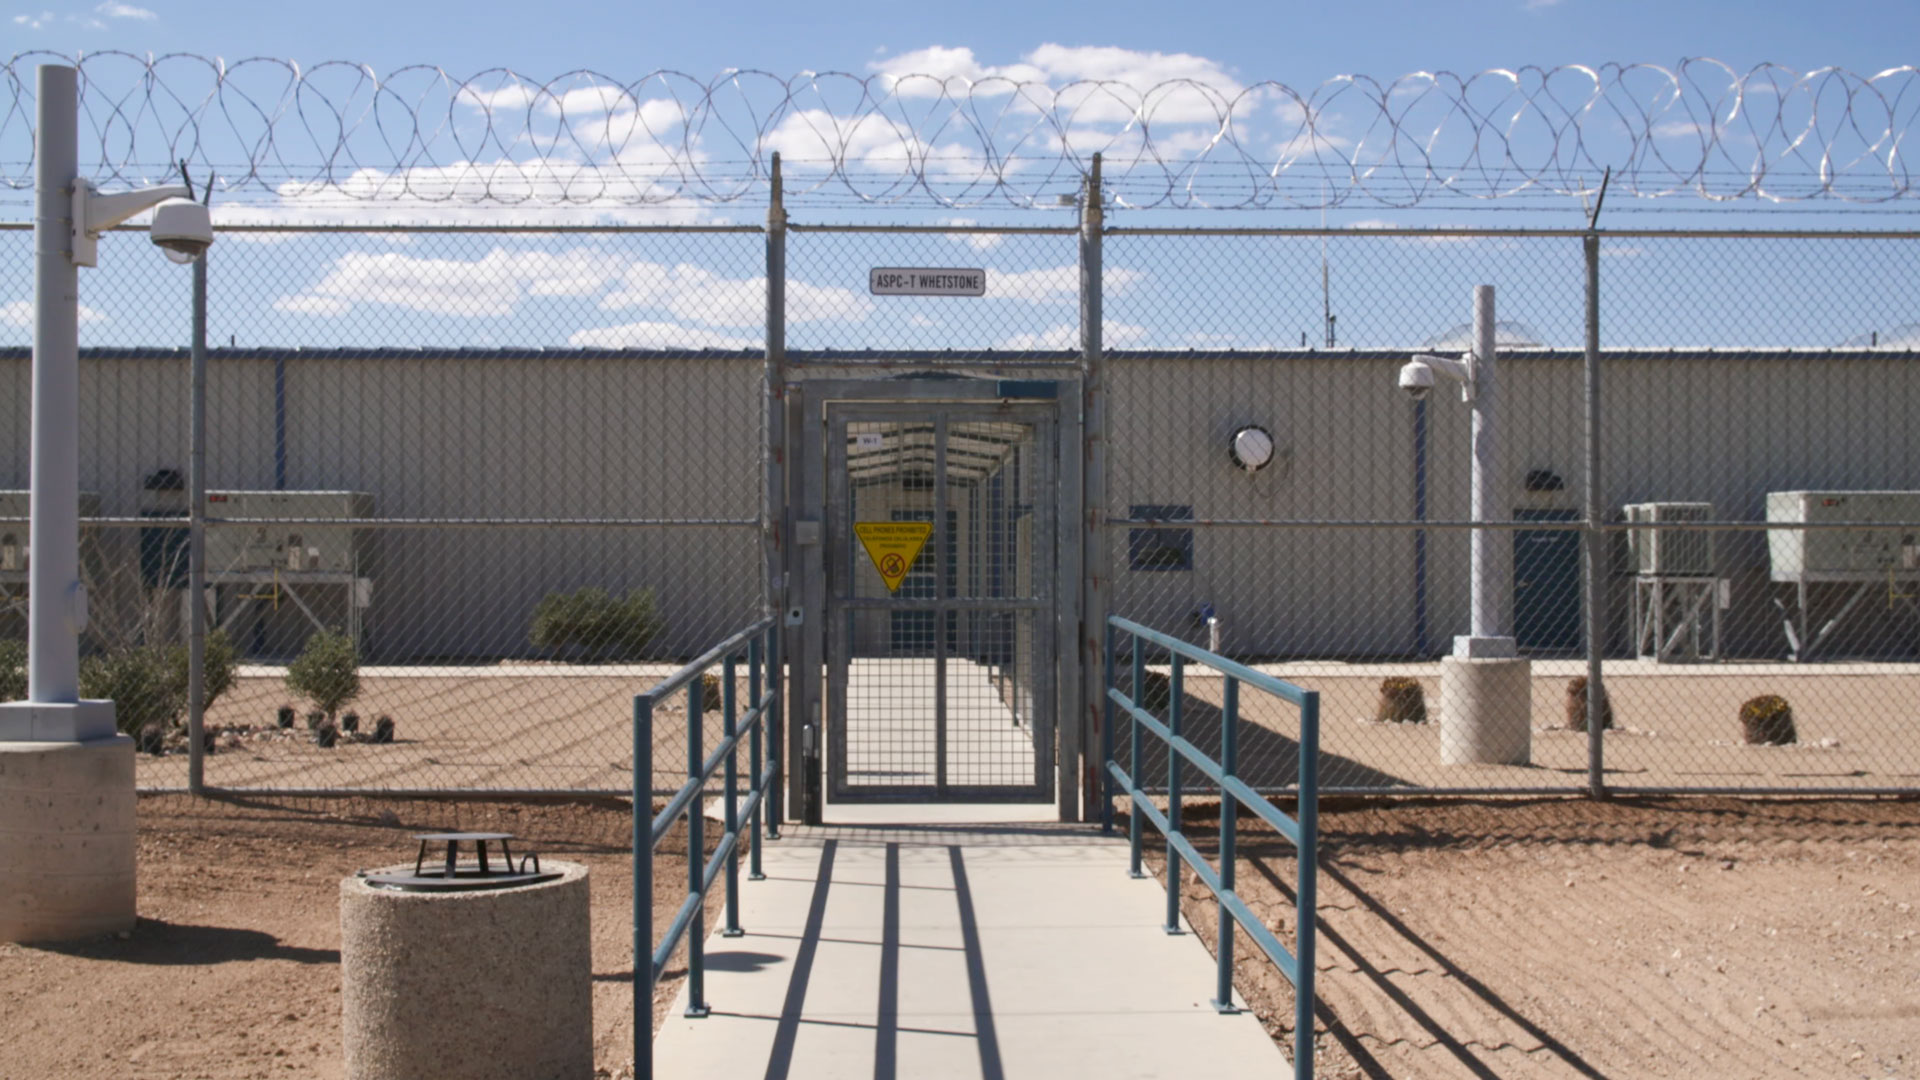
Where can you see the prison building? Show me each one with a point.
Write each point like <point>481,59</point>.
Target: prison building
<point>510,474</point>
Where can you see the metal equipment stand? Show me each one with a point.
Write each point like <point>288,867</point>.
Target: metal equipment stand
<point>1676,618</point>
<point>286,583</point>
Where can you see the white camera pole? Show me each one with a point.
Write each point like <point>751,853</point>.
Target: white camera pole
<point>56,600</point>
<point>1492,568</point>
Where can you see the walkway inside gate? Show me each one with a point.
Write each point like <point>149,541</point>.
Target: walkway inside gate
<point>957,952</point>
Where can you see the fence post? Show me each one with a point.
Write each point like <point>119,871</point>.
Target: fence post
<point>776,702</point>
<point>197,539</point>
<point>773,510</point>
<point>1174,694</point>
<point>729,721</point>
<point>1093,485</point>
<point>757,781</point>
<point>1593,554</point>
<point>1229,812</point>
<point>1106,729</point>
<point>643,886</point>
<point>696,856</point>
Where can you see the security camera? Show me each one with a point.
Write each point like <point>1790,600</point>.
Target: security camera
<point>1416,378</point>
<point>182,229</point>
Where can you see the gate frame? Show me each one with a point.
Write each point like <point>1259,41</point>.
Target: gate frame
<point>806,432</point>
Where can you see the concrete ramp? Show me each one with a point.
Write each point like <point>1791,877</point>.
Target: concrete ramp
<point>955,952</point>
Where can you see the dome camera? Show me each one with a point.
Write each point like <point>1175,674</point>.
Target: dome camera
<point>182,229</point>
<point>1416,378</point>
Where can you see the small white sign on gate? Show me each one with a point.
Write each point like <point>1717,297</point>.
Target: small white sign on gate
<point>925,281</point>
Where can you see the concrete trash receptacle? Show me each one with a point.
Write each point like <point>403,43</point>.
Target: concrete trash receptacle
<point>481,979</point>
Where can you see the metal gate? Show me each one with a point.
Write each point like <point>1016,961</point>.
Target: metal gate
<point>942,679</point>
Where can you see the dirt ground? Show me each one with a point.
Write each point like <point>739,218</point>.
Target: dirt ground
<point>1676,938</point>
<point>233,969</point>
<point>560,728</point>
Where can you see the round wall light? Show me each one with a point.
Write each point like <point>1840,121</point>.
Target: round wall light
<point>1251,447</point>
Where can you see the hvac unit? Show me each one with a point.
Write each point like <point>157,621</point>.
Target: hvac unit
<point>276,545</point>
<point>1670,552</point>
<point>13,534</point>
<point>1844,554</point>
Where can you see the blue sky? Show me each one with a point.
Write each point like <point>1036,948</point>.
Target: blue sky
<point>533,291</point>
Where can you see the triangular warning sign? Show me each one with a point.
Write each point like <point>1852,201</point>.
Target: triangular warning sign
<point>893,546</point>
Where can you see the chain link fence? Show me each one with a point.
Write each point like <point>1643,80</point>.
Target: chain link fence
<point>523,470</point>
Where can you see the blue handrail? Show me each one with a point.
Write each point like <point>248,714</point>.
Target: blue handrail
<point>1302,829</point>
<point>759,645</point>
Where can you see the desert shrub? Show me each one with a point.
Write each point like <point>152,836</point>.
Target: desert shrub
<point>13,670</point>
<point>1577,706</point>
<point>1156,690</point>
<point>327,672</point>
<point>596,625</point>
<point>314,719</point>
<point>142,682</point>
<point>217,668</point>
<point>710,692</point>
<point>1402,701</point>
<point>1767,720</point>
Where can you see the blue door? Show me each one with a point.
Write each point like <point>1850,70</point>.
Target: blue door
<point>1546,584</point>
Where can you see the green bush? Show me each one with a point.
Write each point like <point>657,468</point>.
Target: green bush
<point>1767,720</point>
<point>143,684</point>
<point>1402,700</point>
<point>217,668</point>
<point>13,670</point>
<point>595,624</point>
<point>327,672</point>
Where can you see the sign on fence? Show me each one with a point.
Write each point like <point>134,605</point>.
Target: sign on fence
<point>925,281</point>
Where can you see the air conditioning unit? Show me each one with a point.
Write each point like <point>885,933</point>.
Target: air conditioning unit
<point>274,544</point>
<point>1670,552</point>
<point>1861,554</point>
<point>13,534</point>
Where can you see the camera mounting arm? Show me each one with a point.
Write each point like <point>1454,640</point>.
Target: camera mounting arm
<point>1460,371</point>
<point>94,213</point>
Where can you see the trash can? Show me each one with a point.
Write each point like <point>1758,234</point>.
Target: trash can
<point>473,967</point>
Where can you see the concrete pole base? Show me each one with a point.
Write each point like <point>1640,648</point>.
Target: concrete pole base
<point>476,985</point>
<point>67,839</point>
<point>1486,712</point>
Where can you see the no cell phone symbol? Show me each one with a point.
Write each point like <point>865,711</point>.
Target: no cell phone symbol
<point>893,546</point>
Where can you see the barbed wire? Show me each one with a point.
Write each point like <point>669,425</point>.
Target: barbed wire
<point>340,134</point>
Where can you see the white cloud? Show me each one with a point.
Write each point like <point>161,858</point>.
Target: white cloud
<point>1535,5</point>
<point>698,295</point>
<point>19,314</point>
<point>659,335</point>
<point>491,286</point>
<point>1054,284</point>
<point>1201,90</point>
<point>1067,336</point>
<point>34,22</point>
<point>112,9</point>
<point>979,241</point>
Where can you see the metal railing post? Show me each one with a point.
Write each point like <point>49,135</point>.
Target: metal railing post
<point>1229,827</point>
<point>1306,887</point>
<point>1133,765</point>
<point>1106,728</point>
<point>696,856</point>
<point>643,983</point>
<point>755,770</point>
<point>1175,692</point>
<point>729,721</point>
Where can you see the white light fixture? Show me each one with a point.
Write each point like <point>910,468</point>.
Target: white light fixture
<point>1251,447</point>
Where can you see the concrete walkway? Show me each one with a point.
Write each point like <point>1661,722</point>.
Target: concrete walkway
<point>939,951</point>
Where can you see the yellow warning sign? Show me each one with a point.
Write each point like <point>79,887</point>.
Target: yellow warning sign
<point>893,546</point>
